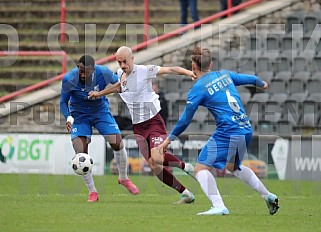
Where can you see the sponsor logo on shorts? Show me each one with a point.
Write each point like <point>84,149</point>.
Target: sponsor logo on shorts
<point>157,140</point>
<point>115,126</point>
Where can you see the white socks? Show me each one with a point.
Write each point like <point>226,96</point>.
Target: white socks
<point>209,186</point>
<point>121,160</point>
<point>248,176</point>
<point>88,178</point>
<point>186,192</point>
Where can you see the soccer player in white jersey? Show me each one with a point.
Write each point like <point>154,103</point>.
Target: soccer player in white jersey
<point>227,146</point>
<point>144,106</point>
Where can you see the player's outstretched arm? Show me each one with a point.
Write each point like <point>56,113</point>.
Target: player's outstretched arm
<point>176,70</point>
<point>115,88</point>
<point>246,79</point>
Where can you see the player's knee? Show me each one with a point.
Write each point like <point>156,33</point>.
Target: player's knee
<point>115,142</point>
<point>231,167</point>
<point>157,156</point>
<point>199,167</point>
<point>116,146</point>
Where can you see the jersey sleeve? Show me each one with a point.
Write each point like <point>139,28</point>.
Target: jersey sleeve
<point>109,76</point>
<point>152,71</point>
<point>68,83</point>
<point>245,79</point>
<point>194,99</point>
<point>65,96</point>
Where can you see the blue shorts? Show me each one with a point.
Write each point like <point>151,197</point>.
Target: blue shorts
<point>219,150</point>
<point>104,123</point>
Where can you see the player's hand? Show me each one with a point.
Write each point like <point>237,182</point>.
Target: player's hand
<point>265,86</point>
<point>93,95</point>
<point>68,126</point>
<point>192,75</point>
<point>163,147</point>
<point>69,122</point>
<point>123,77</point>
<point>117,87</point>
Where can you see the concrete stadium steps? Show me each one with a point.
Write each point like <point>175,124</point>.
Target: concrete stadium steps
<point>119,34</point>
<point>74,12</point>
<point>79,24</point>
<point>45,60</point>
<point>15,3</point>
<point>24,76</point>
<point>34,61</point>
<point>11,85</point>
<point>29,72</point>
<point>103,3</point>
<point>73,47</point>
<point>33,19</point>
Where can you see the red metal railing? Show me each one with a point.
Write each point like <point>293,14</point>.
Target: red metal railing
<point>146,17</point>
<point>183,29</point>
<point>62,21</point>
<point>138,46</point>
<point>229,6</point>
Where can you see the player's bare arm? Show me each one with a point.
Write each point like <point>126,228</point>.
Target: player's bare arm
<point>162,148</point>
<point>115,88</point>
<point>176,70</point>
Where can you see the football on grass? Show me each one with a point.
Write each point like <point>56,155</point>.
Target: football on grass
<point>82,163</point>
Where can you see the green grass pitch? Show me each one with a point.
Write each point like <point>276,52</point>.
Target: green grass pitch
<point>59,203</point>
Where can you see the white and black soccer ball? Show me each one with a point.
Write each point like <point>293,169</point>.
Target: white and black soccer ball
<point>82,163</point>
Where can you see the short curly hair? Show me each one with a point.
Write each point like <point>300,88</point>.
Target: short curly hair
<point>87,60</point>
<point>202,58</point>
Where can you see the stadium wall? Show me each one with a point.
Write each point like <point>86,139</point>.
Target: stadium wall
<point>39,112</point>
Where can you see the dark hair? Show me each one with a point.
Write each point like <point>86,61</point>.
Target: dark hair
<point>202,58</point>
<point>87,60</point>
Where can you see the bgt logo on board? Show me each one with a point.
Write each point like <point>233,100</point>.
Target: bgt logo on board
<point>6,149</point>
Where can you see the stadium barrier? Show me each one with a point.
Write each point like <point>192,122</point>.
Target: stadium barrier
<point>45,153</point>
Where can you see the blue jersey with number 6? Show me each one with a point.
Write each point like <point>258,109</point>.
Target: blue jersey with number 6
<point>217,92</point>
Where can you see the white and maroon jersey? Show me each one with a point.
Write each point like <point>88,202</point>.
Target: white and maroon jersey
<point>138,94</point>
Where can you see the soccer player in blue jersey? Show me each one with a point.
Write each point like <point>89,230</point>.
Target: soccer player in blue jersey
<point>83,113</point>
<point>227,146</point>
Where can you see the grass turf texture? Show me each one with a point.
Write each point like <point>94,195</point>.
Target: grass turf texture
<point>59,203</point>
